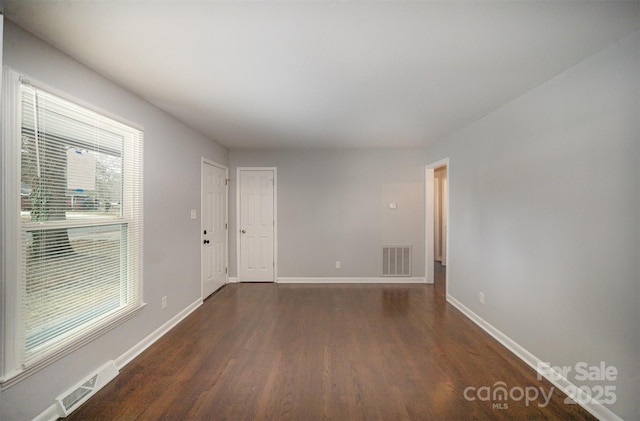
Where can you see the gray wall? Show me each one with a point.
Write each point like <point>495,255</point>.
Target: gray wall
<point>172,154</point>
<point>333,205</point>
<point>544,209</point>
<point>544,202</point>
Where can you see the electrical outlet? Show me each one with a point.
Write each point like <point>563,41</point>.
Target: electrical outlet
<point>481,297</point>
<point>194,214</point>
<point>338,265</point>
<point>164,302</point>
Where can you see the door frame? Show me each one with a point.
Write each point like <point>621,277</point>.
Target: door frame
<point>206,161</point>
<point>430,219</point>
<point>275,218</point>
<point>437,217</point>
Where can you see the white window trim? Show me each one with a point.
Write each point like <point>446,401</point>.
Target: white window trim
<point>11,371</point>
<point>10,214</point>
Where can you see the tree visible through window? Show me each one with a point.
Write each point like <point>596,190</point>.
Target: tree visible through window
<point>81,220</point>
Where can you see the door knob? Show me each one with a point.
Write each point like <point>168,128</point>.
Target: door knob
<point>205,242</point>
<point>242,231</point>
<point>205,232</point>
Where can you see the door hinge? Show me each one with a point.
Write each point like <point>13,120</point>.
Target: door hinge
<point>226,181</point>
<point>226,226</point>
<point>226,270</point>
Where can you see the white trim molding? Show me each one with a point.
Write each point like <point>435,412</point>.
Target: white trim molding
<point>9,224</point>
<point>138,348</point>
<point>375,280</point>
<point>49,414</point>
<point>429,233</point>
<point>233,280</point>
<point>19,360</point>
<point>53,412</point>
<point>594,407</point>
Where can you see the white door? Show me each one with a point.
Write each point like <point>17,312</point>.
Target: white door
<point>214,228</point>
<point>257,225</point>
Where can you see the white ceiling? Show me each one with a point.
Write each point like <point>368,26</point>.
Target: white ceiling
<point>328,74</point>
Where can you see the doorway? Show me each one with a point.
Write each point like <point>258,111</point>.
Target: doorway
<point>440,215</point>
<point>214,226</point>
<point>256,218</point>
<point>437,223</point>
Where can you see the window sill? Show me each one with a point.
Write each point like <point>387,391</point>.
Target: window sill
<point>17,376</point>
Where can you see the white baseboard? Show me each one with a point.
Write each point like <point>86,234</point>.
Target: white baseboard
<point>378,280</point>
<point>49,414</point>
<point>138,348</point>
<point>53,412</point>
<point>593,407</point>
<point>233,280</point>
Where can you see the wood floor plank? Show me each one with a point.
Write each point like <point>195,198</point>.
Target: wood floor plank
<point>322,352</point>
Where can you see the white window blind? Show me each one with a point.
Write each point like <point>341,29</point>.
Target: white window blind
<point>81,223</point>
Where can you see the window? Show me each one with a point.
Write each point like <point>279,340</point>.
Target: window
<point>79,259</point>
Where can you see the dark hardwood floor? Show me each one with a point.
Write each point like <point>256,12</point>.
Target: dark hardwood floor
<point>324,352</point>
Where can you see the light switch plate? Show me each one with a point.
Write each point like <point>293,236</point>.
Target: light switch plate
<point>393,206</point>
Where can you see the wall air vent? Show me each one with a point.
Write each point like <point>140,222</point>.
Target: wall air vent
<point>396,260</point>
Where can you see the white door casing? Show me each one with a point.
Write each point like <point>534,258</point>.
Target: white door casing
<point>445,212</point>
<point>437,218</point>
<point>430,232</point>
<point>256,227</point>
<point>214,235</point>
